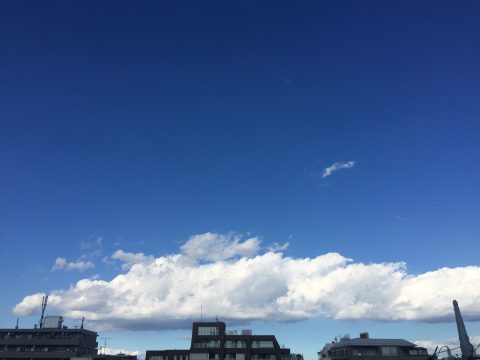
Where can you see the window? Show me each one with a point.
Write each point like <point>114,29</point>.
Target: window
<point>198,356</point>
<point>264,357</point>
<point>262,344</point>
<point>207,344</point>
<point>417,352</point>
<point>235,356</point>
<point>389,351</point>
<point>207,330</point>
<point>239,344</point>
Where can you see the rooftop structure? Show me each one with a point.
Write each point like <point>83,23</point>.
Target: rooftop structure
<point>50,339</point>
<point>47,343</point>
<point>371,349</point>
<point>211,341</point>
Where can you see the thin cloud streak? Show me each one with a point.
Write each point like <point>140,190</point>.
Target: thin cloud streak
<point>336,167</point>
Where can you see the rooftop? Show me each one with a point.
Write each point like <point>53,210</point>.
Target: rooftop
<point>372,342</point>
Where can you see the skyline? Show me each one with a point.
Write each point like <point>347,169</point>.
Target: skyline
<point>324,155</point>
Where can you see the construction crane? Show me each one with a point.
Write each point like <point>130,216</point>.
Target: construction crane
<point>44,306</point>
<point>468,352</point>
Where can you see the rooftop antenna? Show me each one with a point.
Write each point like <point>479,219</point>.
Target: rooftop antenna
<point>83,320</point>
<point>105,343</point>
<point>201,312</point>
<point>16,326</point>
<point>44,306</point>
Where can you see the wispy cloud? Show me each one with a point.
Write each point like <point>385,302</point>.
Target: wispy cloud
<point>92,248</point>
<point>130,259</point>
<point>235,280</point>
<point>336,167</point>
<point>80,265</point>
<point>216,247</point>
<point>278,247</point>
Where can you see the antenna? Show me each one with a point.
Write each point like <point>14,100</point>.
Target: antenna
<point>105,343</point>
<point>16,326</point>
<point>44,306</point>
<point>83,320</point>
<point>201,312</point>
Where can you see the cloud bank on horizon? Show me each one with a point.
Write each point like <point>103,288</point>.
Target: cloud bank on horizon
<point>230,277</point>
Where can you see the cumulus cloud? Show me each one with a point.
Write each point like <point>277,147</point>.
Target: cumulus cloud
<point>80,265</point>
<point>336,167</point>
<point>233,279</point>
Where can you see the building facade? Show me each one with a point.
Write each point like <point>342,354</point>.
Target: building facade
<point>53,341</point>
<point>211,341</point>
<point>366,348</point>
<point>47,343</point>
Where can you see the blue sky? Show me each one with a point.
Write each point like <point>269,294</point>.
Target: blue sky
<point>135,126</point>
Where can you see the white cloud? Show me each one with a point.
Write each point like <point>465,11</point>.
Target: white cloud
<point>80,265</point>
<point>235,283</point>
<point>94,244</point>
<point>336,167</point>
<point>130,259</point>
<point>92,248</point>
<point>115,351</point>
<point>216,247</point>
<point>276,247</point>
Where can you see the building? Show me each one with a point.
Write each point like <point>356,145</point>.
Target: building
<point>372,349</point>
<point>108,357</point>
<point>47,343</point>
<point>52,340</point>
<point>211,341</point>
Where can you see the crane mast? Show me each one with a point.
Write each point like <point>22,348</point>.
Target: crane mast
<point>44,306</point>
<point>466,347</point>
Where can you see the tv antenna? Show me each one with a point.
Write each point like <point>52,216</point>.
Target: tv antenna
<point>105,343</point>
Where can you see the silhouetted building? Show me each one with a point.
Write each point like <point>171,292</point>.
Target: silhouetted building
<point>47,343</point>
<point>52,341</point>
<point>366,348</point>
<point>211,341</point>
<point>108,357</point>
